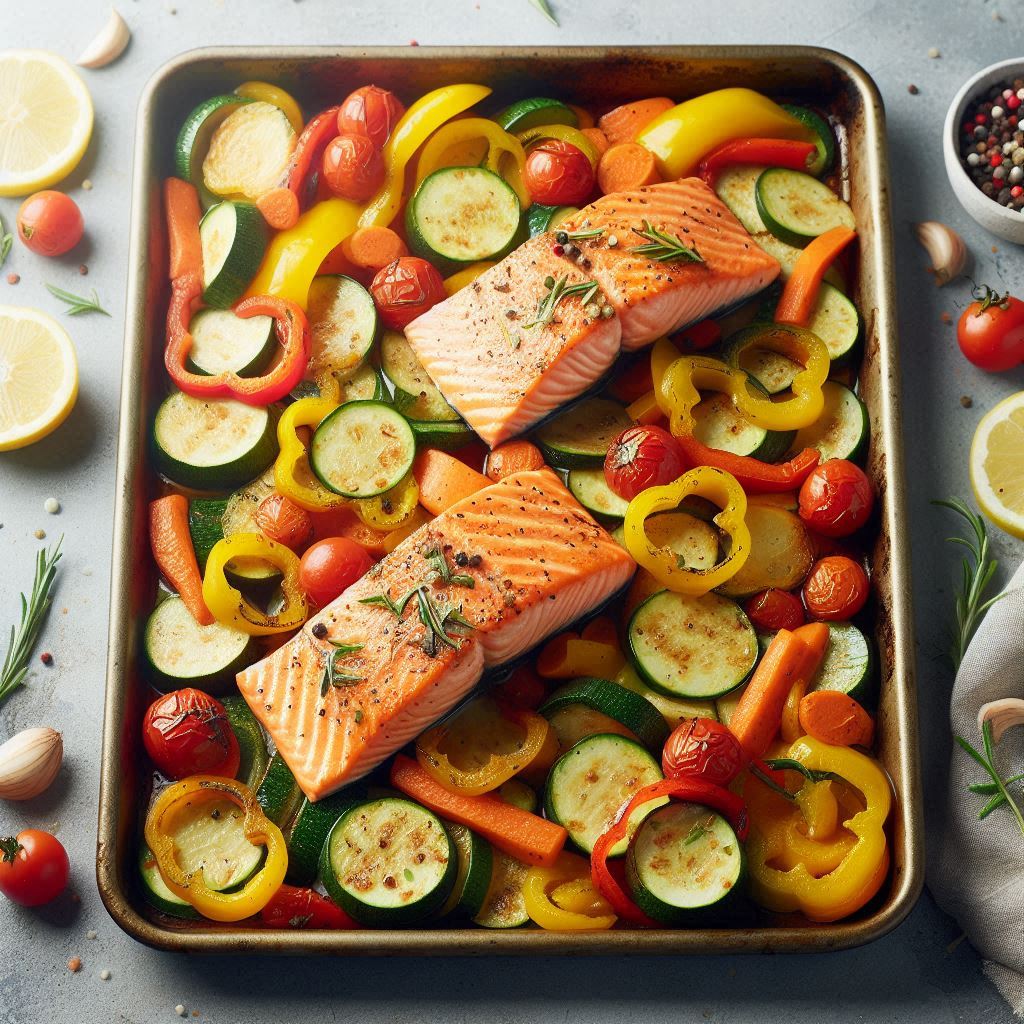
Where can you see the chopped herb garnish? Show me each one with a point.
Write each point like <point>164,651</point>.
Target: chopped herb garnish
<point>439,565</point>
<point>665,248</point>
<point>790,764</point>
<point>700,830</point>
<point>408,875</point>
<point>332,675</point>
<point>514,340</point>
<point>6,241</point>
<point>562,237</point>
<point>76,303</point>
<point>359,716</point>
<point>557,291</point>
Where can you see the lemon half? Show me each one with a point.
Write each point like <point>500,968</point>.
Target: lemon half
<point>997,464</point>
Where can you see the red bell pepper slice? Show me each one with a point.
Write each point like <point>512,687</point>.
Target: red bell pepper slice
<point>609,881</point>
<point>754,476</point>
<point>293,907</point>
<point>309,150</point>
<point>773,152</point>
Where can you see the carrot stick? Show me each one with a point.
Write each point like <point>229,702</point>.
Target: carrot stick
<point>374,247</point>
<point>513,457</point>
<point>280,208</point>
<point>796,305</point>
<point>625,123</point>
<point>790,656</point>
<point>443,480</point>
<point>525,836</point>
<point>173,553</point>
<point>836,718</point>
<point>626,166</point>
<point>182,207</point>
<point>598,138</point>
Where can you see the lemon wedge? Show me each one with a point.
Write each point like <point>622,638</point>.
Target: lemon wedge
<point>997,464</point>
<point>38,376</point>
<point>45,120</point>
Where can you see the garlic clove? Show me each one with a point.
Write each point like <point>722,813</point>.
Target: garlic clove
<point>29,762</point>
<point>1002,714</point>
<point>108,45</point>
<point>945,247</point>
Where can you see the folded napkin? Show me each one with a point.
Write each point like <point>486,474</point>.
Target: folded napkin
<point>976,868</point>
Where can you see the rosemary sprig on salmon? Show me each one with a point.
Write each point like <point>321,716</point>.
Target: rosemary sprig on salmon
<point>557,290</point>
<point>333,676</point>
<point>663,247</point>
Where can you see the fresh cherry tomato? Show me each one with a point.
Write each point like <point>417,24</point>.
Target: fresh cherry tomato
<point>281,520</point>
<point>187,732</point>
<point>991,331</point>
<point>836,589</point>
<point>774,609</point>
<point>370,111</point>
<point>34,867</point>
<point>330,567</point>
<point>50,223</point>
<point>558,174</point>
<point>704,749</point>
<point>353,167</point>
<point>292,907</point>
<point>837,498</point>
<point>642,457</point>
<point>405,289</point>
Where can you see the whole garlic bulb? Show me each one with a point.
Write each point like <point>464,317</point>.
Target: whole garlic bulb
<point>29,762</point>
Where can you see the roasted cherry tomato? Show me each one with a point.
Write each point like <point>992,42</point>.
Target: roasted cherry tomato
<point>836,588</point>
<point>523,689</point>
<point>187,732</point>
<point>281,520</point>
<point>50,223</point>
<point>558,174</point>
<point>372,112</point>
<point>642,457</point>
<point>34,867</point>
<point>292,907</point>
<point>774,609</point>
<point>699,336</point>
<point>837,498</point>
<point>704,749</point>
<point>405,289</point>
<point>991,331</point>
<point>331,566</point>
<point>353,167</point>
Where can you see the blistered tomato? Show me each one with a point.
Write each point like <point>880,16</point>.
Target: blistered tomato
<point>187,732</point>
<point>558,174</point>
<point>405,289</point>
<point>642,457</point>
<point>701,748</point>
<point>836,589</point>
<point>353,167</point>
<point>281,520</point>
<point>774,609</point>
<point>837,498</point>
<point>370,111</point>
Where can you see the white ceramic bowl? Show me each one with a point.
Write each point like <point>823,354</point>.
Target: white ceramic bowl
<point>1005,223</point>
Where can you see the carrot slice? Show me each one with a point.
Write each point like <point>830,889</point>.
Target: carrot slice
<point>374,247</point>
<point>625,123</point>
<point>280,208</point>
<point>598,138</point>
<point>173,553</point>
<point>626,166</point>
<point>796,304</point>
<point>513,457</point>
<point>836,718</point>
<point>525,836</point>
<point>182,202</point>
<point>443,480</point>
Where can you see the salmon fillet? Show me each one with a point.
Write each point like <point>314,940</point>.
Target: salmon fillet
<point>500,375</point>
<point>543,563</point>
<point>653,299</point>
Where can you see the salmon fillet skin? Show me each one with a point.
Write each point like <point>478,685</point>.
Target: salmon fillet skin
<point>543,562</point>
<point>500,375</point>
<point>655,298</point>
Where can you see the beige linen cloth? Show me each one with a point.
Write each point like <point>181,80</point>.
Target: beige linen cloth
<point>976,868</point>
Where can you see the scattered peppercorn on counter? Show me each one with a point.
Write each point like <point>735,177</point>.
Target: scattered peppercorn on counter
<point>642,312</point>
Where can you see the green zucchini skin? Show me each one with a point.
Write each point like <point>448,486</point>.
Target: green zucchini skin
<point>309,831</point>
<point>843,430</point>
<point>279,794</point>
<point>504,905</point>
<point>224,284</point>
<point>825,141</point>
<point>156,892</point>
<point>252,744</point>
<point>193,140</point>
<point>473,874</point>
<point>579,438</point>
<point>534,112</point>
<point>796,207</point>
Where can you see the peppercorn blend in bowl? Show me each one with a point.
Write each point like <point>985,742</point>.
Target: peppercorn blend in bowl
<point>983,148</point>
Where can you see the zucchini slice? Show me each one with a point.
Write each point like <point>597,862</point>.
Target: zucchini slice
<point>534,112</point>
<point>674,710</point>
<point>222,341</point>
<point>416,395</point>
<point>685,861</point>
<point>574,722</point>
<point>589,784</point>
<point>212,443</point>
<point>193,142</point>
<point>389,862</point>
<point>580,437</point>
<point>547,218</point>
<point>842,431</point>
<point>693,647</point>
<point>781,553</point>
<point>718,425</point>
<point>591,490</point>
<point>362,449</point>
<point>836,321</point>
<point>205,526</point>
<point>473,872</point>
<point>691,540</point>
<point>773,371</point>
<point>343,324</point>
<point>735,187</point>
<point>825,141</point>
<point>156,891</point>
<point>279,794</point>
<point>234,238</point>
<point>504,905</point>
<point>848,665</point>
<point>447,436</point>
<point>309,831</point>
<point>462,215</point>
<point>364,384</point>
<point>518,794</point>
<point>796,207</point>
<point>251,743</point>
<point>180,652</point>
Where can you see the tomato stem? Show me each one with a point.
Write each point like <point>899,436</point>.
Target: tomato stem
<point>10,847</point>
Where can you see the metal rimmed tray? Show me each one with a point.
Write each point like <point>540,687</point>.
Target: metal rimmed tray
<point>593,76</point>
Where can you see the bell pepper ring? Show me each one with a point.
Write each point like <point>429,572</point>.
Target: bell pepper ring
<point>754,476</point>
<point>276,97</point>
<point>662,563</point>
<point>541,889</point>
<point>770,152</point>
<point>227,604</point>
<point>191,886</point>
<point>392,509</point>
<point>307,493</point>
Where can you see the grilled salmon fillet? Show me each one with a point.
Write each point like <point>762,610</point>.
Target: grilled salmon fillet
<point>543,563</point>
<point>655,298</point>
<point>502,376</point>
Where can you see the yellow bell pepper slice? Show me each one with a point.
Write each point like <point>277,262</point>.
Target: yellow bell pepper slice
<point>465,277</point>
<point>569,656</point>
<point>277,97</point>
<point>307,492</point>
<point>417,124</point>
<point>388,511</point>
<point>663,564</point>
<point>542,886</point>
<point>564,133</point>
<point>680,137</point>
<point>420,517</point>
<point>683,382</point>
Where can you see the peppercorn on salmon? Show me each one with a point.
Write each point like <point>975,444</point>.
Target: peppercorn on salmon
<point>478,586</point>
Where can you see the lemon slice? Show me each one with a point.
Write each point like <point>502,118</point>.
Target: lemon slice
<point>38,376</point>
<point>997,464</point>
<point>45,120</point>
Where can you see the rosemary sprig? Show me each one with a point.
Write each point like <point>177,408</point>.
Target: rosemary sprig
<point>978,570</point>
<point>397,608</point>
<point>76,303</point>
<point>998,785</point>
<point>665,248</point>
<point>557,291</point>
<point>6,241</point>
<point>33,610</point>
<point>545,8</point>
<point>577,236</point>
<point>699,830</point>
<point>789,764</point>
<point>435,556</point>
<point>332,675</point>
